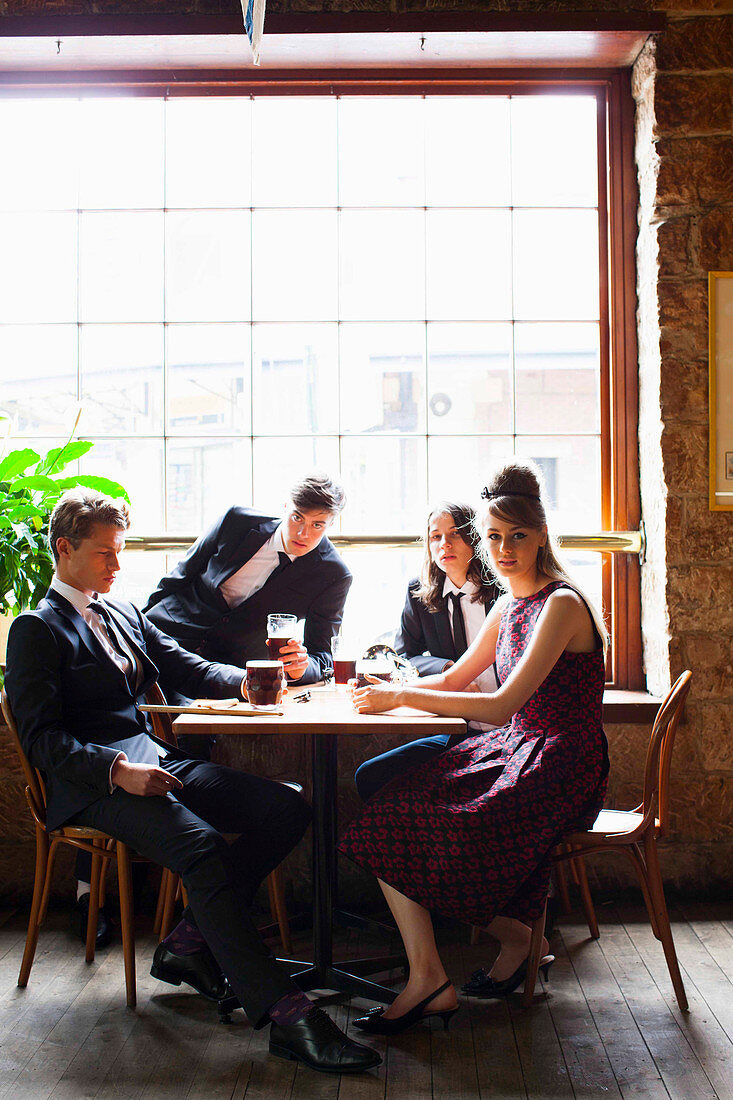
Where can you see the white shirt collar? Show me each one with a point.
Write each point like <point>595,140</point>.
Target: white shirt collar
<point>278,544</point>
<point>77,599</point>
<point>469,588</point>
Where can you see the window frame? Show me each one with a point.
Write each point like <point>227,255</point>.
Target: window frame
<point>617,208</point>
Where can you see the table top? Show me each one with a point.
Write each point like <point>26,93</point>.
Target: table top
<point>329,711</point>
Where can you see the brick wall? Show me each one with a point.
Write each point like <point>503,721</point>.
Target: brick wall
<point>683,86</point>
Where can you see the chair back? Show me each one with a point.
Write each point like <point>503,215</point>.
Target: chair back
<point>659,754</point>
<point>162,723</point>
<point>35,791</point>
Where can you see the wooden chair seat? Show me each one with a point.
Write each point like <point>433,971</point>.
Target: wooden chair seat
<point>632,834</point>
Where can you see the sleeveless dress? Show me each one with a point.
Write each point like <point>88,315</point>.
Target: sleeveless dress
<point>469,833</point>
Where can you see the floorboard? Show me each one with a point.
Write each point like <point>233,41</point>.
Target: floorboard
<point>605,1025</point>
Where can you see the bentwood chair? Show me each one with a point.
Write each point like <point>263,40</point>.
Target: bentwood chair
<point>170,886</point>
<point>634,834</point>
<point>102,849</point>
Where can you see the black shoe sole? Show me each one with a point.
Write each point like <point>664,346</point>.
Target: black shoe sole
<point>171,979</point>
<point>283,1052</point>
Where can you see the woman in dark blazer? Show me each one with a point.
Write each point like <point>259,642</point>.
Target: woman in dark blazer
<point>443,613</point>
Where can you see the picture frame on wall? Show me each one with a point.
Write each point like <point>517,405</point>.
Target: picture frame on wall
<point>720,313</point>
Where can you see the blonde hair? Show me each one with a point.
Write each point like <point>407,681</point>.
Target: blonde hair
<point>76,513</point>
<point>515,495</point>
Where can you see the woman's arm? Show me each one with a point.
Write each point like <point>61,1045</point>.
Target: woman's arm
<point>562,620</point>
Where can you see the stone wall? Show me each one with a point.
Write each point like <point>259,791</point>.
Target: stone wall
<point>683,86</point>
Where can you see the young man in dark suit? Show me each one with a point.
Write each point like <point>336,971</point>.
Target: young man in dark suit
<point>217,599</point>
<point>76,669</point>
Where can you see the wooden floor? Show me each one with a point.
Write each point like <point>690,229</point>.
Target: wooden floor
<point>606,1025</point>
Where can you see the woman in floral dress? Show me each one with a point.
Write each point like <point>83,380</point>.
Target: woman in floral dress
<point>469,833</point>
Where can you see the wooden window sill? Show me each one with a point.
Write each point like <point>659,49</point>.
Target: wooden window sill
<point>629,707</point>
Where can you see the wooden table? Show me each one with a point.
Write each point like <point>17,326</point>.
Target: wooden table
<point>327,716</point>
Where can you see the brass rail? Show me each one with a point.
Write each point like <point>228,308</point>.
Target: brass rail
<point>604,542</point>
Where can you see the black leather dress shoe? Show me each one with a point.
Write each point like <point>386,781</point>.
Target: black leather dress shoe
<point>319,1043</point>
<point>104,929</point>
<point>200,970</point>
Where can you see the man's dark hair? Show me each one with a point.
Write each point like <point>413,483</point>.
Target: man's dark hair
<point>318,493</point>
<point>78,511</point>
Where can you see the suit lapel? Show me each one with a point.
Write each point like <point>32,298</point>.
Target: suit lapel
<point>245,549</point>
<point>79,625</point>
<point>445,634</point>
<point>148,670</point>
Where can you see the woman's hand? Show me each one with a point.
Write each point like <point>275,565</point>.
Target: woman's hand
<point>376,697</point>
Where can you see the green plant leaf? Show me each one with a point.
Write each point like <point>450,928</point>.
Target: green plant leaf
<point>16,462</point>
<point>60,457</point>
<point>100,484</point>
<point>36,483</point>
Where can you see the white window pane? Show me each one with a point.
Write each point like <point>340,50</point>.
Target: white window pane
<point>121,153</point>
<point>586,569</point>
<point>377,595</point>
<point>294,255</point>
<point>385,480</point>
<point>294,151</point>
<point>207,152</point>
<point>121,379</point>
<point>571,467</point>
<point>279,463</point>
<point>38,138</point>
<point>39,377</point>
<point>557,378</point>
<point>207,266</point>
<point>554,151</point>
<point>460,466</point>
<point>138,466</point>
<point>139,572</point>
<point>556,265</point>
<point>382,265</point>
<point>205,478</point>
<point>469,267</point>
<point>469,378</point>
<point>295,379</point>
<point>38,269</point>
<point>381,156</point>
<point>121,267</point>
<point>382,378</point>
<point>467,151</point>
<point>208,378</point>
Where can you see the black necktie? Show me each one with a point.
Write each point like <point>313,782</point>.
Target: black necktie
<point>283,563</point>
<point>459,626</point>
<point>115,640</point>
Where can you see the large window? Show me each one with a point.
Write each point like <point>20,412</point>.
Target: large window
<point>403,289</point>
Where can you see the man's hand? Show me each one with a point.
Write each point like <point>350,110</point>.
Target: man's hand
<point>142,779</point>
<point>294,657</point>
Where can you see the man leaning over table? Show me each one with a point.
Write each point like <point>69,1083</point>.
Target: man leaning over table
<point>76,670</point>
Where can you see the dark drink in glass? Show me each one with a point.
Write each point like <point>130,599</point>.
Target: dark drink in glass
<point>343,671</point>
<point>379,667</point>
<point>280,630</point>
<point>274,645</point>
<point>265,681</point>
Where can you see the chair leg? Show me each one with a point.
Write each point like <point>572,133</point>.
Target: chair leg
<point>34,921</point>
<point>93,918</point>
<point>47,883</point>
<point>634,854</point>
<point>656,889</point>
<point>124,878</point>
<point>562,887</point>
<point>585,897</point>
<point>276,892</point>
<point>533,959</point>
<point>172,887</point>
<point>162,890</point>
<point>475,935</point>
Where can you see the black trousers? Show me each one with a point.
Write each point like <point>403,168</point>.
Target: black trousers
<point>372,775</point>
<point>184,832</point>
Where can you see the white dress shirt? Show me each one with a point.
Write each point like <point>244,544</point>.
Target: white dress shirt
<point>254,573</point>
<point>474,617</point>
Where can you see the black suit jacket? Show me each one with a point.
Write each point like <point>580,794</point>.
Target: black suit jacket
<point>425,637</point>
<point>188,605</point>
<point>74,707</point>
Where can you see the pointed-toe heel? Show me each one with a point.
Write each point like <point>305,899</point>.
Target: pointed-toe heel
<point>483,985</point>
<point>545,965</point>
<point>374,1023</point>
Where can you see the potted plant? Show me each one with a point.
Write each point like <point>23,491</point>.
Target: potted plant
<point>30,485</point>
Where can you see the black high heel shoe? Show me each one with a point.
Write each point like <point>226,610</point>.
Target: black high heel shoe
<point>481,984</point>
<point>374,1022</point>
